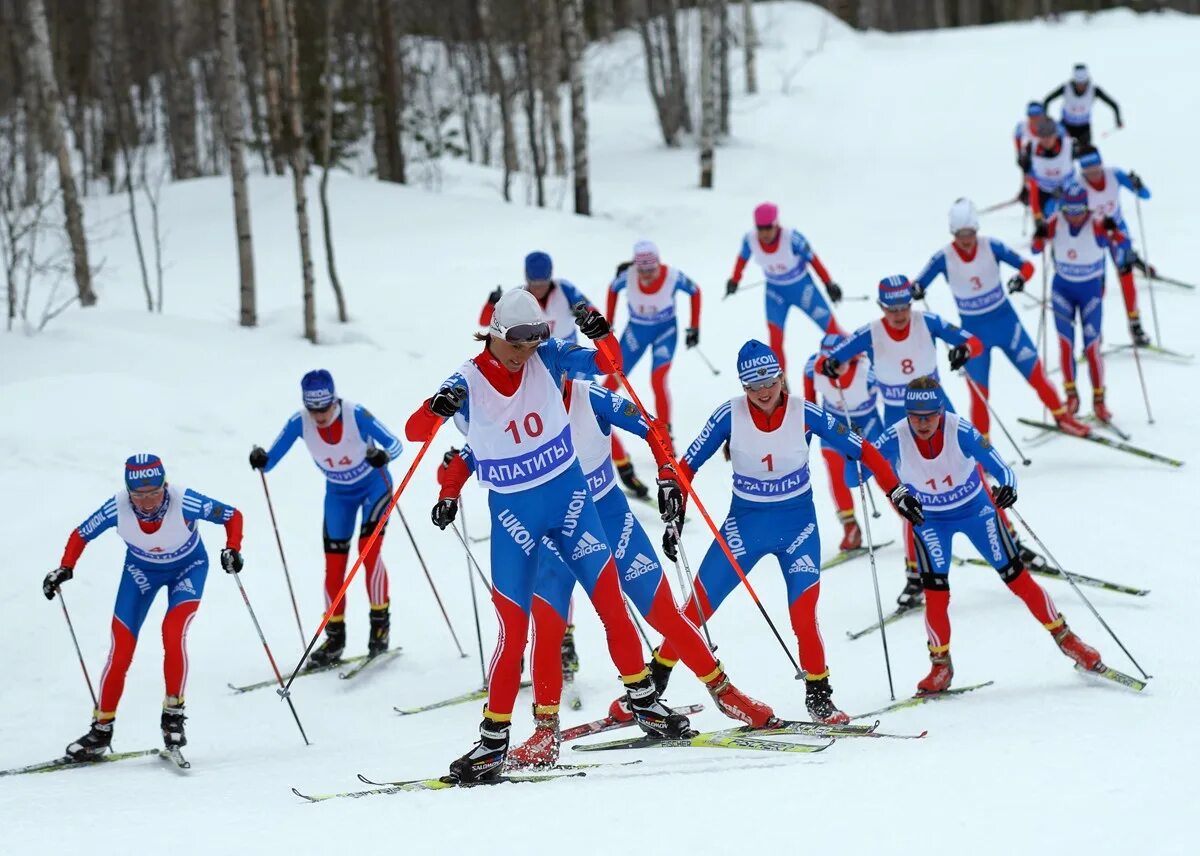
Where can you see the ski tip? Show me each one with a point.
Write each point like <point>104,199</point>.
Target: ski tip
<point>303,796</point>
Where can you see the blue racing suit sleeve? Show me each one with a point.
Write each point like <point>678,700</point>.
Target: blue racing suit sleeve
<point>973,443</point>
<point>291,432</point>
<point>942,329</point>
<point>684,283</point>
<point>372,429</point>
<point>1004,254</point>
<point>463,414</point>
<point>612,409</point>
<point>933,268</point>
<point>832,430</point>
<point>888,443</point>
<point>619,283</point>
<point>197,506</point>
<point>1125,181</point>
<point>104,518</point>
<point>744,252</point>
<point>563,357</point>
<point>801,247</point>
<point>858,343</point>
<point>714,433</point>
<point>574,295</point>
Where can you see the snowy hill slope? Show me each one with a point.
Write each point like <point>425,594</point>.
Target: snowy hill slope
<point>873,139</point>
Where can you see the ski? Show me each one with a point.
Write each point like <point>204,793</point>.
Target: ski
<point>1150,349</point>
<point>820,729</point>
<point>272,682</point>
<point>848,555</point>
<point>1113,675</point>
<point>891,617</point>
<point>998,205</point>
<point>474,695</point>
<point>1105,441</point>
<point>519,771</point>
<point>599,726</point>
<point>1157,277</point>
<point>1107,426</point>
<point>174,756</point>
<point>357,668</point>
<point>1056,573</point>
<point>571,692</point>
<point>646,500</point>
<point>707,740</point>
<point>435,785</point>
<point>905,703</point>
<point>66,763</point>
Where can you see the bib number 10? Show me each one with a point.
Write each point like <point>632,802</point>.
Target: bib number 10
<point>532,423</point>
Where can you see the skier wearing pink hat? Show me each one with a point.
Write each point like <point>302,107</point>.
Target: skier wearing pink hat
<point>785,255</point>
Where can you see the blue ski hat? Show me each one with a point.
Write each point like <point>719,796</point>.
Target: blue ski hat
<point>1074,199</point>
<point>757,362</point>
<point>895,291</point>
<point>1035,108</point>
<point>144,471</point>
<point>924,400</point>
<point>538,265</point>
<point>317,389</point>
<point>1090,158</point>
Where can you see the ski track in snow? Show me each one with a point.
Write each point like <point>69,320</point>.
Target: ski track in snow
<point>872,140</point>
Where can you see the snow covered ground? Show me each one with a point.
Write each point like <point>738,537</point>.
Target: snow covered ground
<point>864,145</point>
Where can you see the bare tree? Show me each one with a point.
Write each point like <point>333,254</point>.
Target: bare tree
<point>604,18</point>
<point>708,101</point>
<point>272,81</point>
<point>299,160</point>
<point>552,71</point>
<point>723,66</point>
<point>39,61</point>
<point>572,11</point>
<point>181,91</point>
<point>664,68</point>
<point>327,158</point>
<point>391,94</point>
<point>503,88</point>
<point>749,44</point>
<point>232,121</point>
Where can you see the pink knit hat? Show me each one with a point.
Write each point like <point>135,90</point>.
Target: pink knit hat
<point>766,214</point>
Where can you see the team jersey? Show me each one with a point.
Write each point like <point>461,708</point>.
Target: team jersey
<point>176,536</point>
<point>1052,172</point>
<point>951,478</point>
<point>861,395</point>
<point>1077,106</point>
<point>1106,201</point>
<point>787,263</point>
<point>1078,255</point>
<point>343,462</point>
<point>653,308</point>
<point>975,283</point>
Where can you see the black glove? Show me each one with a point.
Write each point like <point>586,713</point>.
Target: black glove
<point>449,456</point>
<point>444,512</point>
<point>494,297</point>
<point>1023,196</point>
<point>231,560</point>
<point>591,323</point>
<point>377,458</point>
<point>918,291</point>
<point>1016,284</point>
<point>830,367</point>
<point>959,355</point>
<point>258,458</point>
<point>670,501</point>
<point>1041,230</point>
<point>691,338</point>
<point>1136,181</point>
<point>447,401</point>
<point>1004,496</point>
<point>1109,224</point>
<point>731,287</point>
<point>907,504</point>
<point>671,544</point>
<point>835,291</point>
<point>54,579</point>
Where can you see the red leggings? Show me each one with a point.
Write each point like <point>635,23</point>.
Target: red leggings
<point>175,662</point>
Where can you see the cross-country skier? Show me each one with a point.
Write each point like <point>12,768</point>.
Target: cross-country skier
<point>1047,161</point>
<point>1078,242</point>
<point>1103,185</point>
<point>1078,95</point>
<point>352,449</point>
<point>555,296</point>
<point>163,549</point>
<point>508,401</point>
<point>785,256</point>
<point>650,288</point>
<point>1026,130</point>
<point>971,265</point>
<point>772,512</point>
<point>939,455</point>
<point>593,412</point>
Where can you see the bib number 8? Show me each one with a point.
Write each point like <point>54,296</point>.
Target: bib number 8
<point>906,366</point>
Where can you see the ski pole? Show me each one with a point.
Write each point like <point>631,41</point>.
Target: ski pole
<point>707,362</point>
<point>471,558</point>
<point>362,553</point>
<point>746,287</point>
<point>474,601</point>
<point>605,345</point>
<point>1071,579</point>
<point>1137,204</point>
<point>1043,331</point>
<point>637,622</point>
<point>425,568</point>
<point>690,588</point>
<point>978,392</point>
<point>282,558</point>
<point>871,498</point>
<point>862,498</point>
<point>283,691</point>
<point>78,652</point>
<point>1137,361</point>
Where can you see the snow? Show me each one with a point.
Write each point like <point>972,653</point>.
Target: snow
<point>864,143</point>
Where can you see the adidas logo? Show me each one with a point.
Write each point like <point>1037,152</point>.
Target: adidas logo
<point>802,565</point>
<point>1025,354</point>
<point>642,564</point>
<point>184,585</point>
<point>587,545</point>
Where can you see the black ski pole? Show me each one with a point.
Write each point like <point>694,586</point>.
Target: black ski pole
<point>474,601</point>
<point>1137,202</point>
<point>979,393</point>
<point>282,558</point>
<point>686,573</point>
<point>425,568</point>
<point>78,652</point>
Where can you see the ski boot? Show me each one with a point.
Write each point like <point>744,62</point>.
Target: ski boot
<point>652,716</point>
<point>852,535</point>
<point>819,701</point>
<point>1030,559</point>
<point>736,704</point>
<point>1103,414</point>
<point>629,478</point>
<point>660,671</point>
<point>1075,648</point>
<point>329,651</point>
<point>913,594</point>
<point>486,759</point>
<point>1069,424</point>
<point>540,751</point>
<point>1140,339</point>
<point>172,723</point>
<point>380,631</point>
<point>619,710</point>
<point>1072,397</point>
<point>570,659</point>
<point>93,745</point>
<point>941,672</point>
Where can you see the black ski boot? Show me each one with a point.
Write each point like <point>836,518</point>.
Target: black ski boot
<point>1140,339</point>
<point>486,759</point>
<point>660,672</point>
<point>381,623</point>
<point>1032,560</point>
<point>329,651</point>
<point>94,744</point>
<point>570,659</point>
<point>654,717</point>
<point>913,594</point>
<point>172,723</point>
<point>819,702</point>
<point>629,478</point>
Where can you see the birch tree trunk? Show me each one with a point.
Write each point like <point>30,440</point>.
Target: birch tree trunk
<point>30,112</point>
<point>41,64</point>
<point>604,18</point>
<point>708,101</point>
<point>749,44</point>
<point>572,11</point>
<point>503,89</point>
<point>551,79</point>
<point>231,121</point>
<point>272,75</point>
<point>326,158</point>
<point>722,24</point>
<point>678,88</point>
<point>390,92</point>
<point>181,93</point>
<point>299,159</point>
